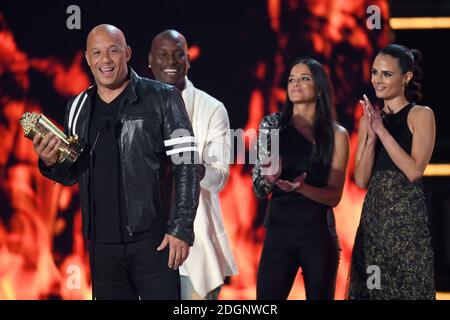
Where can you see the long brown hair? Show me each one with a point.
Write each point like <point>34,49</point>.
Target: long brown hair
<point>324,120</point>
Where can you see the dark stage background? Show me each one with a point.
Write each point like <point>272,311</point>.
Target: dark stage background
<point>241,54</point>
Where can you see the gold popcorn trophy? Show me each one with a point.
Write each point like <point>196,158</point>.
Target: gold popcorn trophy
<point>71,147</point>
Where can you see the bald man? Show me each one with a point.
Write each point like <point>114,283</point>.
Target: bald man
<point>138,138</point>
<point>169,62</point>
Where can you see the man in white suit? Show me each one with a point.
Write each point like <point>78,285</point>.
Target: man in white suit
<point>210,260</point>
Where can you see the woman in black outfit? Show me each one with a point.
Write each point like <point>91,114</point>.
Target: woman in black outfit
<point>394,147</point>
<point>306,184</point>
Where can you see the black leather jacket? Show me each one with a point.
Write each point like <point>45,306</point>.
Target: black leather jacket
<point>147,119</point>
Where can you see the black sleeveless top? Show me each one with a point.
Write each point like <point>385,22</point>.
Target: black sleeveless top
<point>296,154</point>
<point>397,125</point>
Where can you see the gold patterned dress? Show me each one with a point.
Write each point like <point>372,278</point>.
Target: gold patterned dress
<point>392,255</point>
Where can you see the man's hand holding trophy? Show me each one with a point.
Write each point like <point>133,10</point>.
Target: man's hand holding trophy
<point>50,143</point>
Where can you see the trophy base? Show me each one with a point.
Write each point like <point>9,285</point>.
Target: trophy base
<point>70,154</point>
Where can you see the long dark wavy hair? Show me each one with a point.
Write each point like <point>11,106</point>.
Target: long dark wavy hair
<point>324,121</point>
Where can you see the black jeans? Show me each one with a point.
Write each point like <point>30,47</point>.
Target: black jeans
<point>135,270</point>
<point>313,246</point>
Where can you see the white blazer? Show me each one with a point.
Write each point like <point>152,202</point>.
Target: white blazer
<point>210,258</point>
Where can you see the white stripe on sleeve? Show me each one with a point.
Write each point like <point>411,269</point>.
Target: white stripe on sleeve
<point>78,114</point>
<point>72,109</point>
<point>179,140</point>
<point>173,151</point>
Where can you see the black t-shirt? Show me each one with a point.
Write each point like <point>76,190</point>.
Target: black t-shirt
<point>293,210</point>
<point>110,215</point>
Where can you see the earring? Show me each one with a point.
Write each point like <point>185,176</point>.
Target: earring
<point>149,66</point>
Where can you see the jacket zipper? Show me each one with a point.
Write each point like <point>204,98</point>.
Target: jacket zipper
<point>130,226</point>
